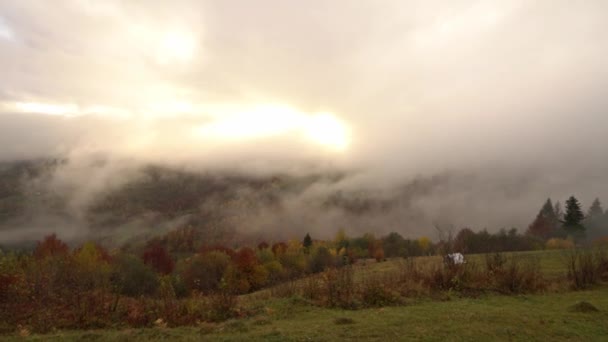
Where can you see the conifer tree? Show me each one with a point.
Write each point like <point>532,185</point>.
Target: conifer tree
<point>307,243</point>
<point>596,221</point>
<point>545,223</point>
<point>596,209</point>
<point>573,217</point>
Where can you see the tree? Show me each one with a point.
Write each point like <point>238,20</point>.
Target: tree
<point>394,245</point>
<point>573,217</point>
<point>131,277</point>
<point>205,271</point>
<point>51,246</point>
<point>545,223</point>
<point>557,209</point>
<point>307,243</point>
<point>424,243</point>
<point>341,240</point>
<point>156,256</point>
<point>595,210</point>
<point>595,222</point>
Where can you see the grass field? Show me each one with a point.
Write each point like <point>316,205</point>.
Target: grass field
<point>550,316</point>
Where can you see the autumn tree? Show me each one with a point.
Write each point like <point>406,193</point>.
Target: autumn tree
<point>321,259</point>
<point>341,240</point>
<point>51,246</point>
<point>205,271</point>
<point>425,244</point>
<point>279,248</point>
<point>156,256</point>
<point>545,223</point>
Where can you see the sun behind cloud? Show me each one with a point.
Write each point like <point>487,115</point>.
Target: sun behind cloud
<point>175,46</point>
<point>264,121</point>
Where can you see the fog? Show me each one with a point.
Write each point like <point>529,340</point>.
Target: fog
<point>494,105</point>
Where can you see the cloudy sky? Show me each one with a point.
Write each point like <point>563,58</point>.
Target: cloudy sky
<point>401,87</point>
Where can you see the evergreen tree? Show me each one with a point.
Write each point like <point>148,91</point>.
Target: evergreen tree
<point>573,218</point>
<point>595,210</point>
<point>307,243</point>
<point>596,220</point>
<point>558,211</point>
<point>547,209</point>
<point>545,223</point>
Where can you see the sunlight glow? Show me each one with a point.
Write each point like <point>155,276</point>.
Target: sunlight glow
<point>46,108</point>
<point>327,130</point>
<point>175,47</point>
<point>273,120</point>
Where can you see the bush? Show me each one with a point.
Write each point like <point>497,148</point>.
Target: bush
<point>585,268</point>
<point>513,275</point>
<point>340,287</point>
<point>557,243</point>
<point>376,292</point>
<point>222,305</point>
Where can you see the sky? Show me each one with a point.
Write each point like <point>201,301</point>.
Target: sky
<point>513,91</point>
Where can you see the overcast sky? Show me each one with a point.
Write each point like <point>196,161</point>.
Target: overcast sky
<point>399,87</point>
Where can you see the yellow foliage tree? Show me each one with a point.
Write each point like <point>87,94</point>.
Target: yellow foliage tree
<point>424,243</point>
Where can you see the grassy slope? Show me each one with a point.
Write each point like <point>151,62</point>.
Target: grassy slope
<point>525,318</point>
<point>491,317</point>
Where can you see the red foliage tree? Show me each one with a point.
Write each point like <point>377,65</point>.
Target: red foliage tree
<point>50,246</point>
<point>156,256</point>
<point>263,245</point>
<point>246,259</point>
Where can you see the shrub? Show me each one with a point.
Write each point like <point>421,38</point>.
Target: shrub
<point>340,287</point>
<point>513,275</point>
<point>222,304</point>
<point>518,277</point>
<point>557,243</point>
<point>583,268</point>
<point>376,292</point>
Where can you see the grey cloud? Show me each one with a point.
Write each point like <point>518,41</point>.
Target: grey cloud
<point>509,92</point>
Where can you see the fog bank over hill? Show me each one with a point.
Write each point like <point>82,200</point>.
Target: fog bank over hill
<point>289,118</point>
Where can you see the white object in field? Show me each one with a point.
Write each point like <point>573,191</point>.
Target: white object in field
<point>454,259</point>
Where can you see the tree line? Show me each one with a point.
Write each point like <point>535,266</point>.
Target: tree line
<point>553,223</point>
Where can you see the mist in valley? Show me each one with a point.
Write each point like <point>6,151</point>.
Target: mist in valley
<point>273,121</point>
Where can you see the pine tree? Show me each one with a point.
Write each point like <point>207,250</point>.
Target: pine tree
<point>595,210</point>
<point>307,243</point>
<point>573,218</point>
<point>545,223</point>
<point>547,209</point>
<point>557,209</point>
<point>596,220</point>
